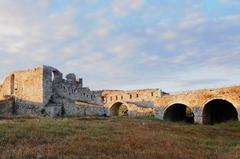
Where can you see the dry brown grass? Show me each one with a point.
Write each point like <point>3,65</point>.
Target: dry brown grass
<point>118,138</point>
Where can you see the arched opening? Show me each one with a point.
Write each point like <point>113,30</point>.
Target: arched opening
<point>179,112</point>
<point>53,76</point>
<point>218,110</point>
<point>12,83</point>
<point>119,109</point>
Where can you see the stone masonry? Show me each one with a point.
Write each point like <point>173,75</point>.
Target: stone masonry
<point>197,101</point>
<point>44,91</point>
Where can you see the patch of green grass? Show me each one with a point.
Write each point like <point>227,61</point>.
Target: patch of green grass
<point>118,137</point>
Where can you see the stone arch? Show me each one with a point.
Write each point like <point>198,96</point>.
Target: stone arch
<point>218,111</point>
<point>114,109</point>
<point>54,75</point>
<point>179,112</point>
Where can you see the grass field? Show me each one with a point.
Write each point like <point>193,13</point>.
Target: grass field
<point>117,138</point>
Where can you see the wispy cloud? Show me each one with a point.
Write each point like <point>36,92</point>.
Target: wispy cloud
<point>125,7</point>
<point>125,44</point>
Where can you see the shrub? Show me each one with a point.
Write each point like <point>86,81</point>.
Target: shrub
<point>123,110</point>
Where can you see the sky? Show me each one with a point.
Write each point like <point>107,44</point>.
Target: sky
<point>174,45</point>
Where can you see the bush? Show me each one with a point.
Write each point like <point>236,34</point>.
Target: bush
<point>123,110</point>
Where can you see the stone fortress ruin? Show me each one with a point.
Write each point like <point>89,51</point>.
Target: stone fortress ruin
<point>44,91</point>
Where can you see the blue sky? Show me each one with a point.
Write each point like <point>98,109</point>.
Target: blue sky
<point>125,44</point>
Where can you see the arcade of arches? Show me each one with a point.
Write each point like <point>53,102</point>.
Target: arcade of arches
<point>215,111</point>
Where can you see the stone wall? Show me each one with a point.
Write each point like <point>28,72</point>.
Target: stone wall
<point>24,85</point>
<point>44,90</point>
<point>6,107</point>
<point>26,88</point>
<point>138,102</point>
<point>135,110</point>
<point>63,93</point>
<point>112,96</point>
<point>196,100</point>
<point>69,87</point>
<point>74,109</point>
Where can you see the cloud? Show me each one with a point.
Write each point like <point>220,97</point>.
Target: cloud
<point>124,7</point>
<point>182,57</point>
<point>170,35</point>
<point>145,58</point>
<point>29,35</point>
<point>124,44</point>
